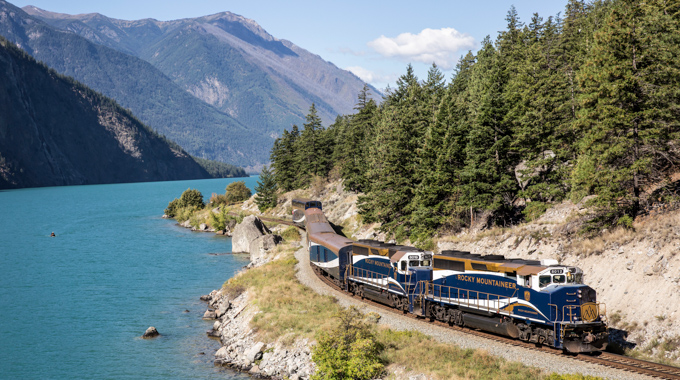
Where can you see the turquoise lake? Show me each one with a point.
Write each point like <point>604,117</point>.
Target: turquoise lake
<point>74,306</point>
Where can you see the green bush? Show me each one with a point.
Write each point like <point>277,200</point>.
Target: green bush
<point>189,199</point>
<point>348,351</point>
<point>534,210</point>
<point>237,192</point>
<point>291,234</point>
<point>192,198</point>
<point>172,208</point>
<point>185,213</point>
<point>218,199</point>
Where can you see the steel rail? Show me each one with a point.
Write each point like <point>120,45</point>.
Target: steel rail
<point>625,363</point>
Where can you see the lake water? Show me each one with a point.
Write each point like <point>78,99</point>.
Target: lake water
<point>74,305</point>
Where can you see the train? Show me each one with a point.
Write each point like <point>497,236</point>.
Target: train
<point>537,301</point>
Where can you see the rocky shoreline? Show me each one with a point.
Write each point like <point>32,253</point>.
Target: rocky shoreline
<point>241,350</point>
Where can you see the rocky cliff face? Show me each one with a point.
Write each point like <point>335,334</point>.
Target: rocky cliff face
<point>55,131</point>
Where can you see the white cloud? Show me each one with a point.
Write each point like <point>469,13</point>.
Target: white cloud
<point>441,46</point>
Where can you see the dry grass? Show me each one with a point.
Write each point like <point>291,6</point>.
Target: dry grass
<point>606,240</point>
<point>414,352</point>
<point>659,350</point>
<point>287,308</point>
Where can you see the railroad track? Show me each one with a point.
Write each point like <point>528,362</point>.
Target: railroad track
<point>280,221</point>
<point>606,359</point>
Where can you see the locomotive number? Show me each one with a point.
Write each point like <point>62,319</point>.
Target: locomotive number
<point>413,257</point>
<point>556,271</point>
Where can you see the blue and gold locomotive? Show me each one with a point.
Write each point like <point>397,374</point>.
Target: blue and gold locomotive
<point>535,301</point>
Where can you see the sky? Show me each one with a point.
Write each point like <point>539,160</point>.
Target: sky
<point>374,39</point>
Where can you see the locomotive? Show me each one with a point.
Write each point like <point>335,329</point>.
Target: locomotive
<point>536,301</point>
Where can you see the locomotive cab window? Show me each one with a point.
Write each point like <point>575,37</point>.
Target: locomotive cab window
<point>544,281</point>
<point>403,265</point>
<point>413,263</point>
<point>559,279</point>
<point>425,263</point>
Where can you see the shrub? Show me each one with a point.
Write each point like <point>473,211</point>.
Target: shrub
<point>534,210</point>
<point>218,199</point>
<point>349,350</point>
<point>218,221</point>
<point>185,213</point>
<point>172,208</point>
<point>237,192</point>
<point>291,234</point>
<point>192,198</point>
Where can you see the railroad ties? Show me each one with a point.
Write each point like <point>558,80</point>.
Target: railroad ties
<point>625,363</point>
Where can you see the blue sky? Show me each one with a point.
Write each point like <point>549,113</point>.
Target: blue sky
<point>375,39</point>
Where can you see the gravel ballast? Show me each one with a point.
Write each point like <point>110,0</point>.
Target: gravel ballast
<point>546,362</point>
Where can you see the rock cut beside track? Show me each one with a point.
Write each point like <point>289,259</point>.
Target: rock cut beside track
<point>546,362</point>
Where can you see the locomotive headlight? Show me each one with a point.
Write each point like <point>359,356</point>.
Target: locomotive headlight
<point>580,293</point>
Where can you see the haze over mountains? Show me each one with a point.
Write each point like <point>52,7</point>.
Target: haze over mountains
<point>219,85</point>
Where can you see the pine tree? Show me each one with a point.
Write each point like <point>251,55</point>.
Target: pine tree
<point>487,180</point>
<point>284,158</point>
<point>629,105</point>
<point>399,135</point>
<point>266,190</point>
<point>313,148</point>
<point>353,163</point>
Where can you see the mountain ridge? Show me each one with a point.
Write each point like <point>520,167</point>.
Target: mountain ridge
<point>229,62</point>
<point>56,131</point>
<point>137,85</point>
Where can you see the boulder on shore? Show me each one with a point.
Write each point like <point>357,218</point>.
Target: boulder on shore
<point>259,247</point>
<point>245,232</point>
<point>151,332</point>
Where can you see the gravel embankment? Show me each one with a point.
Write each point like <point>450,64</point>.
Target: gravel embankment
<point>546,362</point>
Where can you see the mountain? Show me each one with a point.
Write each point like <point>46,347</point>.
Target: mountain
<point>55,131</point>
<point>230,63</point>
<point>137,85</point>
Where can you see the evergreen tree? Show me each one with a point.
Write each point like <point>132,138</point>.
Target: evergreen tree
<point>630,105</point>
<point>313,148</point>
<point>266,188</point>
<point>399,134</point>
<point>353,146</point>
<point>284,158</point>
<point>487,180</point>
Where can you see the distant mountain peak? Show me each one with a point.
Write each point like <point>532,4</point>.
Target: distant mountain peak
<point>226,61</point>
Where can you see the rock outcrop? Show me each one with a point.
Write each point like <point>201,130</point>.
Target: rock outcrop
<point>241,349</point>
<point>151,332</point>
<point>260,247</point>
<point>247,231</point>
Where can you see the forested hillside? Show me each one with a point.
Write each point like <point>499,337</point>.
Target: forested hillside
<point>587,103</point>
<point>55,131</point>
<point>135,84</point>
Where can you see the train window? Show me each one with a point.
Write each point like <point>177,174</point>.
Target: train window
<point>403,265</point>
<point>413,263</point>
<point>543,281</point>
<point>425,263</point>
<point>559,279</point>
